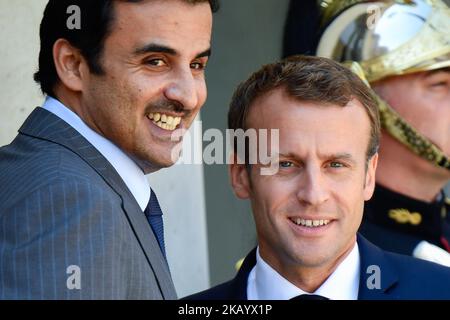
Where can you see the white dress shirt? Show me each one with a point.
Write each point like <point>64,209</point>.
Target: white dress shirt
<point>131,174</point>
<point>264,283</point>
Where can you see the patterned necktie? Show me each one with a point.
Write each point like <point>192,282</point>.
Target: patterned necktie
<point>309,297</point>
<point>154,216</point>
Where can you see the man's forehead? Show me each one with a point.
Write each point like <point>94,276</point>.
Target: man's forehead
<point>278,104</point>
<point>327,131</point>
<point>172,11</point>
<point>322,141</point>
<point>174,25</point>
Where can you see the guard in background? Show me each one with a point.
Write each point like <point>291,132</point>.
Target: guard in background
<point>402,49</point>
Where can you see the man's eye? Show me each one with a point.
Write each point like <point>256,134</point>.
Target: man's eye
<point>336,165</point>
<point>198,66</point>
<point>156,62</point>
<point>439,84</point>
<point>286,164</point>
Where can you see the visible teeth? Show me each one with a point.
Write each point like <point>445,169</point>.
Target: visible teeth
<point>310,223</point>
<point>165,126</point>
<point>164,121</point>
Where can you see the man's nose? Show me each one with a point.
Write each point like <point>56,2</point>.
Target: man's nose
<point>313,189</point>
<point>184,88</point>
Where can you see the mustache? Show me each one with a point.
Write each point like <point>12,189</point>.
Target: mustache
<point>165,105</point>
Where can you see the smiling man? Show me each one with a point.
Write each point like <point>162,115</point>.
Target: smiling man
<point>308,213</point>
<point>409,70</point>
<point>78,219</point>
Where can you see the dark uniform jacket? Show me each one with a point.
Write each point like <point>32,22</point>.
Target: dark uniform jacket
<point>397,223</point>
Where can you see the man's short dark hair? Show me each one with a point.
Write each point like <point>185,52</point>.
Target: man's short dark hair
<point>97,18</point>
<point>308,79</point>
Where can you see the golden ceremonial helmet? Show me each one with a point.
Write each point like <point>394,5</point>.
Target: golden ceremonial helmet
<point>383,38</point>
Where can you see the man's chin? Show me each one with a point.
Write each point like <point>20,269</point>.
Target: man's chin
<point>153,165</point>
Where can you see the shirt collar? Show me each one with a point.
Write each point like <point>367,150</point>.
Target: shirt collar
<point>264,283</point>
<point>128,170</point>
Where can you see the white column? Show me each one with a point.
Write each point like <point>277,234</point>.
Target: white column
<point>19,35</point>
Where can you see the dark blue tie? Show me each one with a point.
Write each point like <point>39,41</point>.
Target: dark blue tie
<point>154,216</point>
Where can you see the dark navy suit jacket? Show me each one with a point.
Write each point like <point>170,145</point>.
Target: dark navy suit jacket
<point>401,278</point>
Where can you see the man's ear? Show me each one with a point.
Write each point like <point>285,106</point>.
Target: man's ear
<point>240,180</point>
<point>370,177</point>
<point>70,64</point>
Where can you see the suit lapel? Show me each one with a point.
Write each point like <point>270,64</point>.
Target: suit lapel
<point>45,125</point>
<point>375,269</point>
<point>238,288</point>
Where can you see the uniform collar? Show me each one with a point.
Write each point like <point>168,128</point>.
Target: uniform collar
<point>404,214</point>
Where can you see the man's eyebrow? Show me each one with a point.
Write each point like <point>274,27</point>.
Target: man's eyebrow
<point>288,155</point>
<point>341,156</point>
<point>205,53</point>
<point>153,47</point>
<point>433,72</point>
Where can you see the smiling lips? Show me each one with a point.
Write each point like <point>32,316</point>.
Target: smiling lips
<point>310,223</point>
<point>164,121</point>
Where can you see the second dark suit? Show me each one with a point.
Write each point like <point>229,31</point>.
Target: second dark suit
<point>402,278</point>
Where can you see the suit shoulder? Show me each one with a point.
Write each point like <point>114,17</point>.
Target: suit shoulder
<point>219,292</point>
<point>410,265</point>
<point>29,164</point>
<point>421,279</point>
<point>33,156</point>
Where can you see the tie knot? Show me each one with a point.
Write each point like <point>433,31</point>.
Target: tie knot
<point>153,208</point>
<point>309,297</point>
